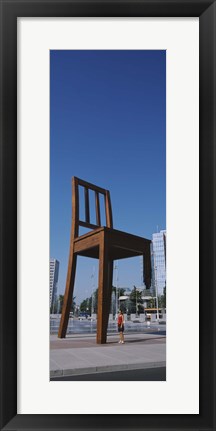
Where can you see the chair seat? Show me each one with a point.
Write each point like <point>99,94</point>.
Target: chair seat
<point>121,244</point>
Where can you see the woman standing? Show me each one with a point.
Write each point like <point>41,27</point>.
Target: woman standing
<point>121,327</point>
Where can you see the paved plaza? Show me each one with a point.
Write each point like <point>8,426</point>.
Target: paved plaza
<point>80,354</point>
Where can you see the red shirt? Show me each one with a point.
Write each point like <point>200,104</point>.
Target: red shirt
<point>120,319</point>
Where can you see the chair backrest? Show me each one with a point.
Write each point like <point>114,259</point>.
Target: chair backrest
<point>76,221</point>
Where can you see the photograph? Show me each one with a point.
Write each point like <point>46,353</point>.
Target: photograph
<point>107,197</point>
<point>108,215</point>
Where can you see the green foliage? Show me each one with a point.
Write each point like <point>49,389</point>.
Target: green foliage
<point>54,308</point>
<point>135,303</point>
<point>85,305</point>
<point>136,296</point>
<point>120,291</point>
<point>163,298</point>
<point>95,301</point>
<point>73,305</point>
<point>61,300</point>
<point>151,303</point>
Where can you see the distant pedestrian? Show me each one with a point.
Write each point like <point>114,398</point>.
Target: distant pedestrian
<point>121,327</point>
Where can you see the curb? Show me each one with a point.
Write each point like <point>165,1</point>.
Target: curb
<point>105,368</point>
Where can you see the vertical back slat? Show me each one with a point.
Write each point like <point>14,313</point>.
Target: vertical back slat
<point>109,220</point>
<point>75,208</point>
<point>97,208</point>
<point>76,222</point>
<point>87,212</point>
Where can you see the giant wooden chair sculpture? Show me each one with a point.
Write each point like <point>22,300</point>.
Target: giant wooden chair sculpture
<point>105,244</point>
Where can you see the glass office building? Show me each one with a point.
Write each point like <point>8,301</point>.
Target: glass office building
<point>54,272</point>
<point>159,261</point>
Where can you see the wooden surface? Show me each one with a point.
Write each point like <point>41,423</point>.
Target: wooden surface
<point>103,243</point>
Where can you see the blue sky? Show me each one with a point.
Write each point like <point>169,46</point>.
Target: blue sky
<point>108,127</point>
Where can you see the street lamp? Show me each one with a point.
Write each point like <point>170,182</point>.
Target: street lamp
<point>93,285</point>
<point>136,304</point>
<point>116,268</point>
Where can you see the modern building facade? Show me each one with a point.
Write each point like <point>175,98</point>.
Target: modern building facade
<point>54,272</point>
<point>159,261</point>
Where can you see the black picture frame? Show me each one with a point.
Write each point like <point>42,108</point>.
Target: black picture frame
<point>10,11</point>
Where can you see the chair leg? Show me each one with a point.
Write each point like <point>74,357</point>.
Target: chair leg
<point>68,296</point>
<point>147,266</point>
<point>104,294</point>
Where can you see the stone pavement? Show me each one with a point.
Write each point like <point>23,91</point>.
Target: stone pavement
<point>80,354</point>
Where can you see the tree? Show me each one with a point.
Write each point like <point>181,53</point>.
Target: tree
<point>118,291</point>
<point>85,305</point>
<point>160,301</point>
<point>151,303</point>
<point>163,298</point>
<point>136,301</point>
<point>95,301</point>
<point>73,305</point>
<point>61,301</point>
<point>54,308</point>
